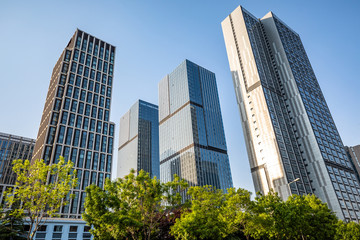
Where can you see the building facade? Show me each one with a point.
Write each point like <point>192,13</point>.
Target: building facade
<point>75,122</point>
<point>12,147</point>
<point>354,155</point>
<point>191,133</point>
<point>288,128</point>
<point>139,140</point>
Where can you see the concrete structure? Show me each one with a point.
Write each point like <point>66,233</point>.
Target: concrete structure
<point>75,121</point>
<point>287,124</point>
<point>12,147</point>
<point>139,140</point>
<point>191,134</point>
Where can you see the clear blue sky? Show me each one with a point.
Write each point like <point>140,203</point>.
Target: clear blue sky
<point>152,37</point>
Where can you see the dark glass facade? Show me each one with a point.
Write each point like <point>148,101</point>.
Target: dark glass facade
<point>139,140</point>
<point>192,139</point>
<point>75,122</point>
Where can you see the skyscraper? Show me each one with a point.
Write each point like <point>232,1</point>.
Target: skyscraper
<point>139,140</point>
<point>289,132</point>
<point>354,155</point>
<point>12,147</point>
<point>191,133</point>
<point>75,121</point>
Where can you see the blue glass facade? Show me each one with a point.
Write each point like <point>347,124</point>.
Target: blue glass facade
<point>192,139</point>
<point>75,122</point>
<point>139,140</point>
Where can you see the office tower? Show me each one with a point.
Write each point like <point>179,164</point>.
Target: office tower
<point>139,140</point>
<point>292,141</point>
<point>75,121</point>
<point>354,155</point>
<point>191,133</point>
<point>12,147</point>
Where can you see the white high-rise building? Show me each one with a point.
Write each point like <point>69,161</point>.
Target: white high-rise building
<point>292,141</point>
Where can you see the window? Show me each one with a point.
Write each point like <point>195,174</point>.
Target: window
<point>111,130</point>
<point>92,125</point>
<point>76,137</point>
<point>83,95</point>
<point>58,228</point>
<point>97,87</point>
<point>73,228</point>
<point>82,57</point>
<point>61,134</point>
<point>95,161</point>
<point>57,105</point>
<point>73,67</point>
<point>103,144</point>
<point>68,136</point>
<point>91,85</point>
<point>76,55</point>
<point>71,119</point>
<point>90,141</point>
<point>108,93</point>
<point>74,106</point>
<point>94,111</point>
<point>107,103</point>
<point>67,104</point>
<point>97,142</point>
<point>105,128</point>
<point>85,180</point>
<point>83,139</point>
<point>96,99</point>
<point>88,160</point>
<point>73,155</point>
<point>51,135</point>
<point>81,159</point>
<point>86,123</point>
<point>98,128</point>
<point>89,97</point>
<point>69,91</point>
<point>78,81</point>
<point>110,145</point>
<point>108,165</point>
<point>87,110</point>
<point>81,108</point>
<point>60,92</point>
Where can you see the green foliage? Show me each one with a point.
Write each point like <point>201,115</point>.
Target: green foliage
<point>11,226</point>
<point>202,220</point>
<point>300,217</point>
<point>131,207</point>
<point>347,231</point>
<point>39,197</point>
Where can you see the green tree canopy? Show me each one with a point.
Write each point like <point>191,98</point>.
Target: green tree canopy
<point>41,190</point>
<point>131,207</point>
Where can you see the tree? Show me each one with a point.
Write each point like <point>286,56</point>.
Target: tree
<point>236,213</point>
<point>347,231</point>
<point>39,197</point>
<point>11,226</point>
<point>131,207</point>
<point>202,220</point>
<point>300,217</point>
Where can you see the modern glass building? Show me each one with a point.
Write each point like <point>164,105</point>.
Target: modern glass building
<point>75,121</point>
<point>288,128</point>
<point>354,155</point>
<point>191,133</point>
<point>12,147</point>
<point>139,140</point>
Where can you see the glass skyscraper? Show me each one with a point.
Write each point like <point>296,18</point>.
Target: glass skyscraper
<point>191,133</point>
<point>12,147</point>
<point>288,128</point>
<point>139,140</point>
<point>75,121</point>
